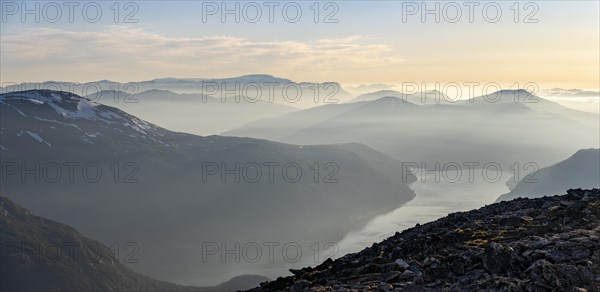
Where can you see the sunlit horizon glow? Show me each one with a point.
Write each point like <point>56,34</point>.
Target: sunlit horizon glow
<point>379,49</point>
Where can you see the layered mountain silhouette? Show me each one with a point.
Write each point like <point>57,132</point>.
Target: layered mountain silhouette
<point>255,87</point>
<point>193,113</point>
<point>497,128</point>
<point>117,178</point>
<point>581,169</point>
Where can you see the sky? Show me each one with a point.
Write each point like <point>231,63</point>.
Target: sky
<point>550,43</point>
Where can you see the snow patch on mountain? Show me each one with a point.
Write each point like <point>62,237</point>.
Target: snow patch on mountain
<point>142,124</point>
<point>57,122</point>
<point>61,102</point>
<point>85,109</point>
<point>16,109</point>
<point>33,96</point>
<point>59,109</point>
<point>111,115</point>
<point>93,135</point>
<point>35,136</point>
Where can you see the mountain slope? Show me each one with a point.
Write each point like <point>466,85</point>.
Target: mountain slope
<point>277,128</point>
<point>483,130</point>
<point>581,169</point>
<point>117,178</point>
<point>43,255</point>
<point>541,244</point>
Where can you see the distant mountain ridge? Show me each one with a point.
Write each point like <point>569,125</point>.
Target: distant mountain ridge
<point>494,128</point>
<point>201,106</point>
<point>266,87</point>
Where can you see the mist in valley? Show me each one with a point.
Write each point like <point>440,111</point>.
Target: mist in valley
<point>182,146</point>
<point>206,195</point>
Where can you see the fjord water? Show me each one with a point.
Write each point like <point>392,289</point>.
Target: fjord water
<point>434,200</point>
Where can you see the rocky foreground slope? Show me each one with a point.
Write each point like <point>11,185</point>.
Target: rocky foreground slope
<point>542,244</point>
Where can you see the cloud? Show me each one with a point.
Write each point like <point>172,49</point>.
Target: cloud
<point>127,51</point>
<point>569,93</point>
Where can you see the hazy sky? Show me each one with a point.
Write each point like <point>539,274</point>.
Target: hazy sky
<point>553,43</point>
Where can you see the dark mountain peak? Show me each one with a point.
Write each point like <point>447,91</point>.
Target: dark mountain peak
<point>43,118</point>
<point>583,157</point>
<point>66,104</point>
<point>507,94</point>
<point>587,152</point>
